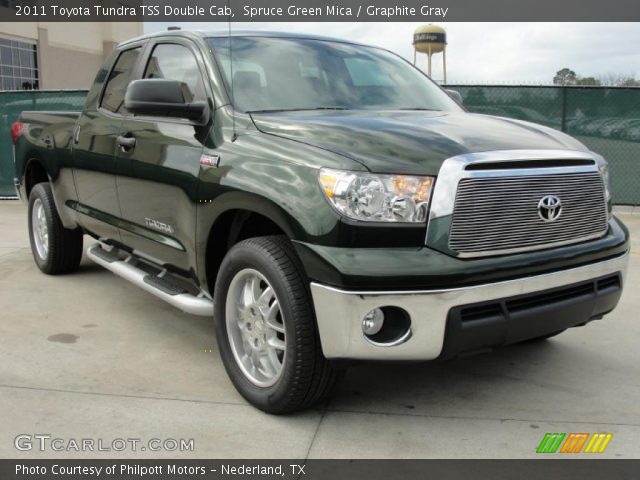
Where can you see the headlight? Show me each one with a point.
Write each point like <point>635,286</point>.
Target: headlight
<point>377,198</point>
<point>604,171</point>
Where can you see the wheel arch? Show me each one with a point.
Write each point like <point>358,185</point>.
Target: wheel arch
<point>242,216</point>
<point>34,172</point>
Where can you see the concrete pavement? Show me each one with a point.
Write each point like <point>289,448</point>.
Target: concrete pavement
<point>90,356</point>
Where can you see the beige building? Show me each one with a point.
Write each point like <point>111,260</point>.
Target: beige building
<point>57,55</point>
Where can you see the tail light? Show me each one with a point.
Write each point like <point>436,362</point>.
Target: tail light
<point>16,131</point>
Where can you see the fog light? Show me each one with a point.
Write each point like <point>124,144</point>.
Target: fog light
<point>372,322</point>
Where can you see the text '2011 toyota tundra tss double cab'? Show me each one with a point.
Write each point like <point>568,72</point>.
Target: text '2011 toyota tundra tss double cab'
<point>324,202</point>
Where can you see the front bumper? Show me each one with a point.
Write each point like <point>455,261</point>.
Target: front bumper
<point>340,313</point>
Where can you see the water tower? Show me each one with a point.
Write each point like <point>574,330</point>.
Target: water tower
<point>431,39</point>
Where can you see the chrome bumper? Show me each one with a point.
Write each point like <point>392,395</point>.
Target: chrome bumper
<point>340,313</point>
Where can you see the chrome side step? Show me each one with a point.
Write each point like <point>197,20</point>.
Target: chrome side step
<point>154,284</point>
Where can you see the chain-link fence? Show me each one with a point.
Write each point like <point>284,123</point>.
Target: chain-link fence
<point>11,105</point>
<point>605,119</point>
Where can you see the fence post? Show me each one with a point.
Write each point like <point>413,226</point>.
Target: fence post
<point>563,114</point>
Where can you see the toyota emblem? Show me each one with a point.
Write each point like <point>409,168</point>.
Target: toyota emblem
<point>549,208</point>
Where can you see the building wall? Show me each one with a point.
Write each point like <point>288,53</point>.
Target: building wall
<point>70,54</point>
<point>23,30</point>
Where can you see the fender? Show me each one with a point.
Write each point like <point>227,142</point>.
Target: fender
<point>209,213</point>
<point>250,202</point>
<point>50,149</point>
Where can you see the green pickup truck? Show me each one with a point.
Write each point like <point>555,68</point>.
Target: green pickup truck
<point>324,202</point>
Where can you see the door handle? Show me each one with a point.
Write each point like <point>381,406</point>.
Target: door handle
<point>127,143</point>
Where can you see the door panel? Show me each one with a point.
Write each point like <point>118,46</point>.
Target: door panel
<point>94,148</point>
<point>95,173</point>
<point>158,175</point>
<point>157,185</point>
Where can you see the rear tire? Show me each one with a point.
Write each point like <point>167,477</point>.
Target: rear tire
<point>266,329</point>
<point>55,249</point>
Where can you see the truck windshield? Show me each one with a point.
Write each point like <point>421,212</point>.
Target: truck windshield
<point>281,74</point>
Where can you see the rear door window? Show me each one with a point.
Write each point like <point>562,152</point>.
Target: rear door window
<point>118,81</point>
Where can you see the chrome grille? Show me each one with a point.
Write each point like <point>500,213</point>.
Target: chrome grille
<point>497,215</point>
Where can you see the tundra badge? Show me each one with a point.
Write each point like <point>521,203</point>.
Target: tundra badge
<point>156,225</point>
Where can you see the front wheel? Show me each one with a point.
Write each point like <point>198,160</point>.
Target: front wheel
<point>265,327</point>
<point>55,249</point>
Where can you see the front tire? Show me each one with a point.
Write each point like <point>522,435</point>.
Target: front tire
<point>265,327</point>
<point>55,249</point>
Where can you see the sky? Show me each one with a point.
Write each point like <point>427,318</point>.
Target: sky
<point>502,53</point>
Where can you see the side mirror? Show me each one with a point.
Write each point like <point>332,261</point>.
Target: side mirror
<point>455,95</point>
<point>159,97</point>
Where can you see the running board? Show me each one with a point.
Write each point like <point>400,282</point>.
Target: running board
<point>156,285</point>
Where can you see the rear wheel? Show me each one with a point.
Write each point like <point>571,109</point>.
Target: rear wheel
<point>55,249</point>
<point>265,327</point>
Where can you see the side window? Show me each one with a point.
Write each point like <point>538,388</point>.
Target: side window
<point>176,62</point>
<point>118,81</point>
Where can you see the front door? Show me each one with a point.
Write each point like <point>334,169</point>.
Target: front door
<point>158,170</point>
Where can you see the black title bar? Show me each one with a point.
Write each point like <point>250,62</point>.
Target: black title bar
<point>174,469</point>
<point>321,11</point>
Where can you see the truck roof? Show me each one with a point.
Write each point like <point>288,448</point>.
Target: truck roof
<point>235,33</point>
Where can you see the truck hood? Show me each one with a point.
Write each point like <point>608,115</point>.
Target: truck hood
<point>409,142</point>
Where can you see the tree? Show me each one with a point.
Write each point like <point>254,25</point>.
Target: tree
<point>566,76</point>
<point>589,81</point>
<point>630,82</point>
<point>619,80</point>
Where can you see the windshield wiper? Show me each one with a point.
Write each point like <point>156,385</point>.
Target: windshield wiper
<point>278,110</point>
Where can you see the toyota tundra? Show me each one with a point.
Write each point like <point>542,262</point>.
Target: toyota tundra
<point>323,202</point>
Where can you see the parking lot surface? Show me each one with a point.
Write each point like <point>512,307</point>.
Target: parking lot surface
<point>88,356</point>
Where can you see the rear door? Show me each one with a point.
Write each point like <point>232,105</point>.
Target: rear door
<point>158,172</point>
<point>94,148</point>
